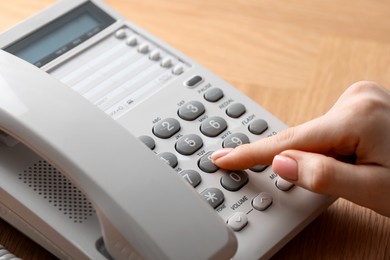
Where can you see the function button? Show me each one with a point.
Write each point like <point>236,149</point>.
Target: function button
<point>234,140</point>
<point>237,221</point>
<point>188,144</point>
<point>262,201</point>
<point>132,40</point>
<point>166,62</point>
<point>154,55</point>
<point>213,126</point>
<point>192,177</point>
<point>236,110</point>
<point>258,168</point>
<point>120,34</point>
<point>213,196</point>
<point>178,69</point>
<point>213,95</point>
<point>206,165</point>
<point>191,110</point>
<point>194,81</point>
<point>143,48</point>
<point>283,185</point>
<point>168,158</point>
<point>166,128</point>
<point>148,141</point>
<point>258,126</point>
<point>234,181</point>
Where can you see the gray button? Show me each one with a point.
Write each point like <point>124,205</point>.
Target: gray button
<point>205,163</point>
<point>191,110</point>
<point>189,144</point>
<point>258,168</point>
<point>213,126</point>
<point>237,221</point>
<point>194,81</point>
<point>192,177</point>
<point>283,185</point>
<point>213,95</point>
<point>166,128</point>
<point>234,181</point>
<point>262,201</point>
<point>168,158</point>
<point>258,126</point>
<point>234,140</point>
<point>236,110</point>
<point>148,141</point>
<point>213,196</point>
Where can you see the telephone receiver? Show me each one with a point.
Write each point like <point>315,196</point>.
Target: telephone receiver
<point>145,209</point>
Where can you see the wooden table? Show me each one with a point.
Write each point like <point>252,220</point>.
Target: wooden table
<point>294,58</point>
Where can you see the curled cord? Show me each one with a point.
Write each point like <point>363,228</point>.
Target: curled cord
<point>5,255</point>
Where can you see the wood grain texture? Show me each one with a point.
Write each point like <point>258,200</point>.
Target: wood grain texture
<point>294,58</point>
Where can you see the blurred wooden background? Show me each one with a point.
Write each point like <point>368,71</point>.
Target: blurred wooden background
<point>294,58</point>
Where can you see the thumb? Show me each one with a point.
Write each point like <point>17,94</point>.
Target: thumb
<point>322,174</point>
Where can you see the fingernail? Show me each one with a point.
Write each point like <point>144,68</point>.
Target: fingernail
<point>220,153</point>
<point>285,167</point>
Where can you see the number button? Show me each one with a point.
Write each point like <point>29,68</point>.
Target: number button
<point>148,141</point>
<point>234,180</point>
<point>192,177</point>
<point>168,158</point>
<point>206,165</point>
<point>166,128</point>
<point>213,126</point>
<point>189,144</point>
<point>235,140</point>
<point>191,110</point>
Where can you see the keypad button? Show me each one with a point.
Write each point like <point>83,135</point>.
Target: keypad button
<point>234,140</point>
<point>191,110</point>
<point>237,221</point>
<point>262,201</point>
<point>258,168</point>
<point>258,126</point>
<point>166,128</point>
<point>154,55</point>
<point>148,141</point>
<point>120,34</point>
<point>178,69</point>
<point>236,110</point>
<point>166,62</point>
<point>213,95</point>
<point>234,181</point>
<point>213,126</point>
<point>189,144</point>
<point>213,196</point>
<point>143,48</point>
<point>192,177</point>
<point>168,158</point>
<point>283,185</point>
<point>205,163</point>
<point>132,40</point>
<point>194,81</point>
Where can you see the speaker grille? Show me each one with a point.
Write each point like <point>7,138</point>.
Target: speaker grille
<point>54,187</point>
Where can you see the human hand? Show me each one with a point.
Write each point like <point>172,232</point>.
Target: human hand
<point>344,153</point>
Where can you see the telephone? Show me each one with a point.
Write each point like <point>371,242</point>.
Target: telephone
<point>105,143</point>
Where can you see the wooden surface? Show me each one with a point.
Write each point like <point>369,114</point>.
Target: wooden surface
<point>294,58</point>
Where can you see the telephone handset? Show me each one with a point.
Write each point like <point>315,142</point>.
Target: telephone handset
<point>80,140</point>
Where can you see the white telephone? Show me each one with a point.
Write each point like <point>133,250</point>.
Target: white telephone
<point>77,181</point>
